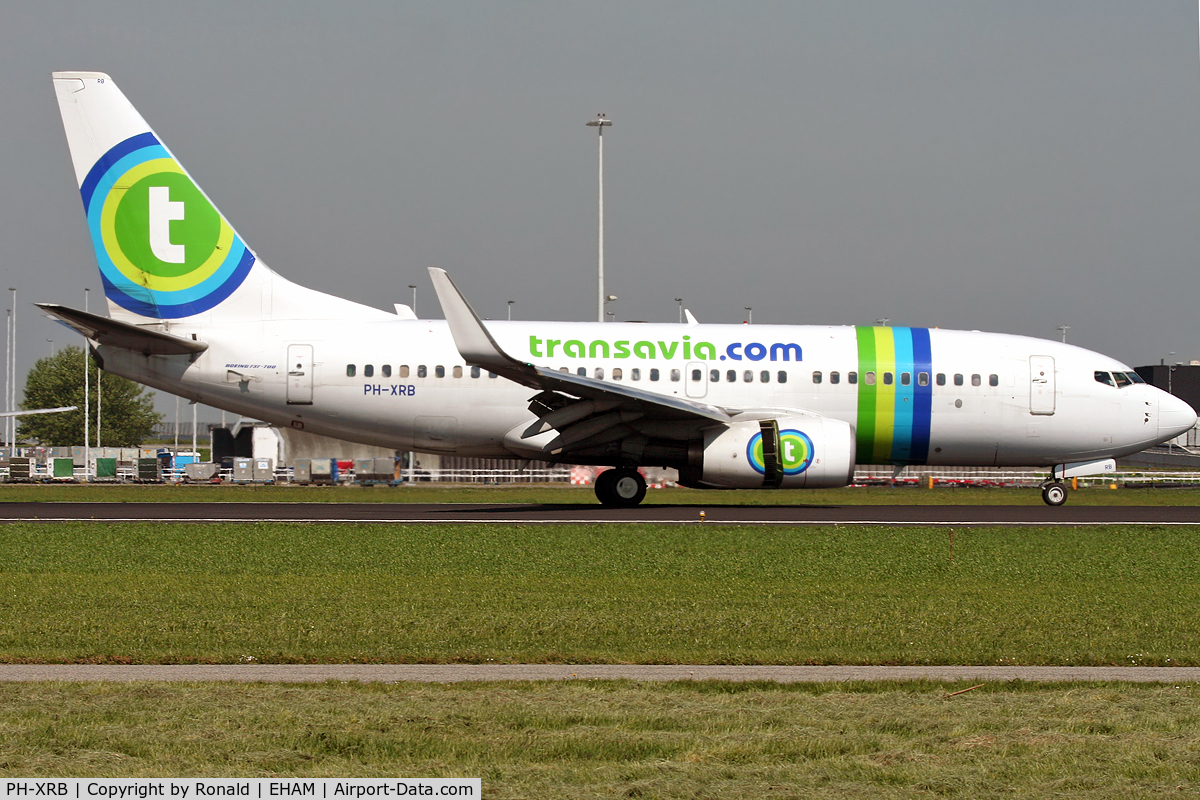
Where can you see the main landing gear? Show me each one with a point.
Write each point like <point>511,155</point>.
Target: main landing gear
<point>620,488</point>
<point>1054,492</point>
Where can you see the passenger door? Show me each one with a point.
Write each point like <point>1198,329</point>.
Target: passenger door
<point>1041,385</point>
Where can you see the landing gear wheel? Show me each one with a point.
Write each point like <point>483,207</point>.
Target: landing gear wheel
<point>1054,493</point>
<point>604,485</point>
<point>620,488</point>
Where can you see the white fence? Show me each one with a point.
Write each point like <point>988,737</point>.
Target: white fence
<point>869,475</point>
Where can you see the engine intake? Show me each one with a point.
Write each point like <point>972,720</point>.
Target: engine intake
<point>783,452</point>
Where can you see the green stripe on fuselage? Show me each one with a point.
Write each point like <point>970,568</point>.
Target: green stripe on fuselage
<point>865,430</point>
<point>885,395</point>
<point>876,401</point>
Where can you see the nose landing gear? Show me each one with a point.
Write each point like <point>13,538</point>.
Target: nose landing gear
<point>1054,492</point>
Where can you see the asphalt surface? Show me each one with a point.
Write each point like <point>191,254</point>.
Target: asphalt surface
<point>453,673</point>
<point>593,513</point>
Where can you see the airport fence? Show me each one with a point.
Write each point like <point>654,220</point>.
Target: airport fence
<point>869,475</point>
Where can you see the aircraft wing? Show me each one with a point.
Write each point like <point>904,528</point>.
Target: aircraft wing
<point>587,412</point>
<point>122,334</point>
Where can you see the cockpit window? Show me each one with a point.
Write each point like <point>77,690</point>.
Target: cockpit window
<point>1104,377</point>
<point>1122,379</point>
<point>1133,376</point>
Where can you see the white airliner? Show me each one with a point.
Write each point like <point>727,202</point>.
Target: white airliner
<point>194,312</point>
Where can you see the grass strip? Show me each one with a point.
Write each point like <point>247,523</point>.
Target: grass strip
<point>558,494</point>
<point>622,739</point>
<point>272,592</point>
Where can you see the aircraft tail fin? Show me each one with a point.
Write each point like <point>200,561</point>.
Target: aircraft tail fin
<point>163,249</point>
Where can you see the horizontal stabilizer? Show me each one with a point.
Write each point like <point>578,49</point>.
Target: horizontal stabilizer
<point>109,332</point>
<point>58,410</point>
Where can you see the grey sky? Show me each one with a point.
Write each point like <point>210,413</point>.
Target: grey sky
<point>1009,166</point>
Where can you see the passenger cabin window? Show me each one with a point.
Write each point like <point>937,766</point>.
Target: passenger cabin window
<point>714,375</point>
<point>731,376</point>
<point>654,373</point>
<point>781,376</point>
<point>439,371</point>
<point>564,369</point>
<point>869,378</point>
<point>958,379</point>
<point>851,377</point>
<point>905,378</point>
<point>834,377</point>
<point>941,379</point>
<point>748,376</point>
<point>458,372</point>
<point>635,374</point>
<point>764,376</point>
<point>474,372</point>
<point>993,379</point>
<point>421,371</point>
<point>617,373</point>
<point>816,376</point>
<point>386,369</point>
<point>368,370</point>
<point>491,375</point>
<point>581,372</point>
<point>922,379</point>
<point>976,380</point>
<point>598,374</point>
<point>404,370</point>
<point>675,375</point>
<point>350,370</point>
<point>697,374</point>
<point>887,379</point>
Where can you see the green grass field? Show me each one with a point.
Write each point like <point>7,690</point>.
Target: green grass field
<point>559,493</point>
<point>152,593</point>
<point>621,739</point>
<point>267,592</point>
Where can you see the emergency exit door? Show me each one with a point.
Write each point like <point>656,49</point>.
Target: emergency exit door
<point>300,374</point>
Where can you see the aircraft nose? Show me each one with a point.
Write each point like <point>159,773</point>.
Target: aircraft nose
<point>1174,416</point>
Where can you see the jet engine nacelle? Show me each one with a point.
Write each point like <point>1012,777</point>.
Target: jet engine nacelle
<point>784,452</point>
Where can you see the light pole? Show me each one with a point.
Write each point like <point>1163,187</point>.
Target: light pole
<point>413,286</point>
<point>510,305</point>
<point>600,123</point>
<point>12,373</point>
<point>749,315</point>
<point>1063,330</point>
<point>883,321</point>
<point>680,301</point>
<point>7,370</point>
<point>87,405</point>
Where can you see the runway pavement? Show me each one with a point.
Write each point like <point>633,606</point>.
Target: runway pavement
<point>443,513</point>
<point>454,673</point>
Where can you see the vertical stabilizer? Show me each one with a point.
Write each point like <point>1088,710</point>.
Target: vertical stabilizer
<point>163,249</point>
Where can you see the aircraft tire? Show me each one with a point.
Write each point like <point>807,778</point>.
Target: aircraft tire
<point>604,486</point>
<point>1054,493</point>
<point>625,488</point>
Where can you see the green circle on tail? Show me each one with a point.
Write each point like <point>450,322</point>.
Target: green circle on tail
<point>197,227</point>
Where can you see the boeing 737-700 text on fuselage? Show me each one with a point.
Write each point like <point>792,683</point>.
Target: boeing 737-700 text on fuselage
<point>194,312</point>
